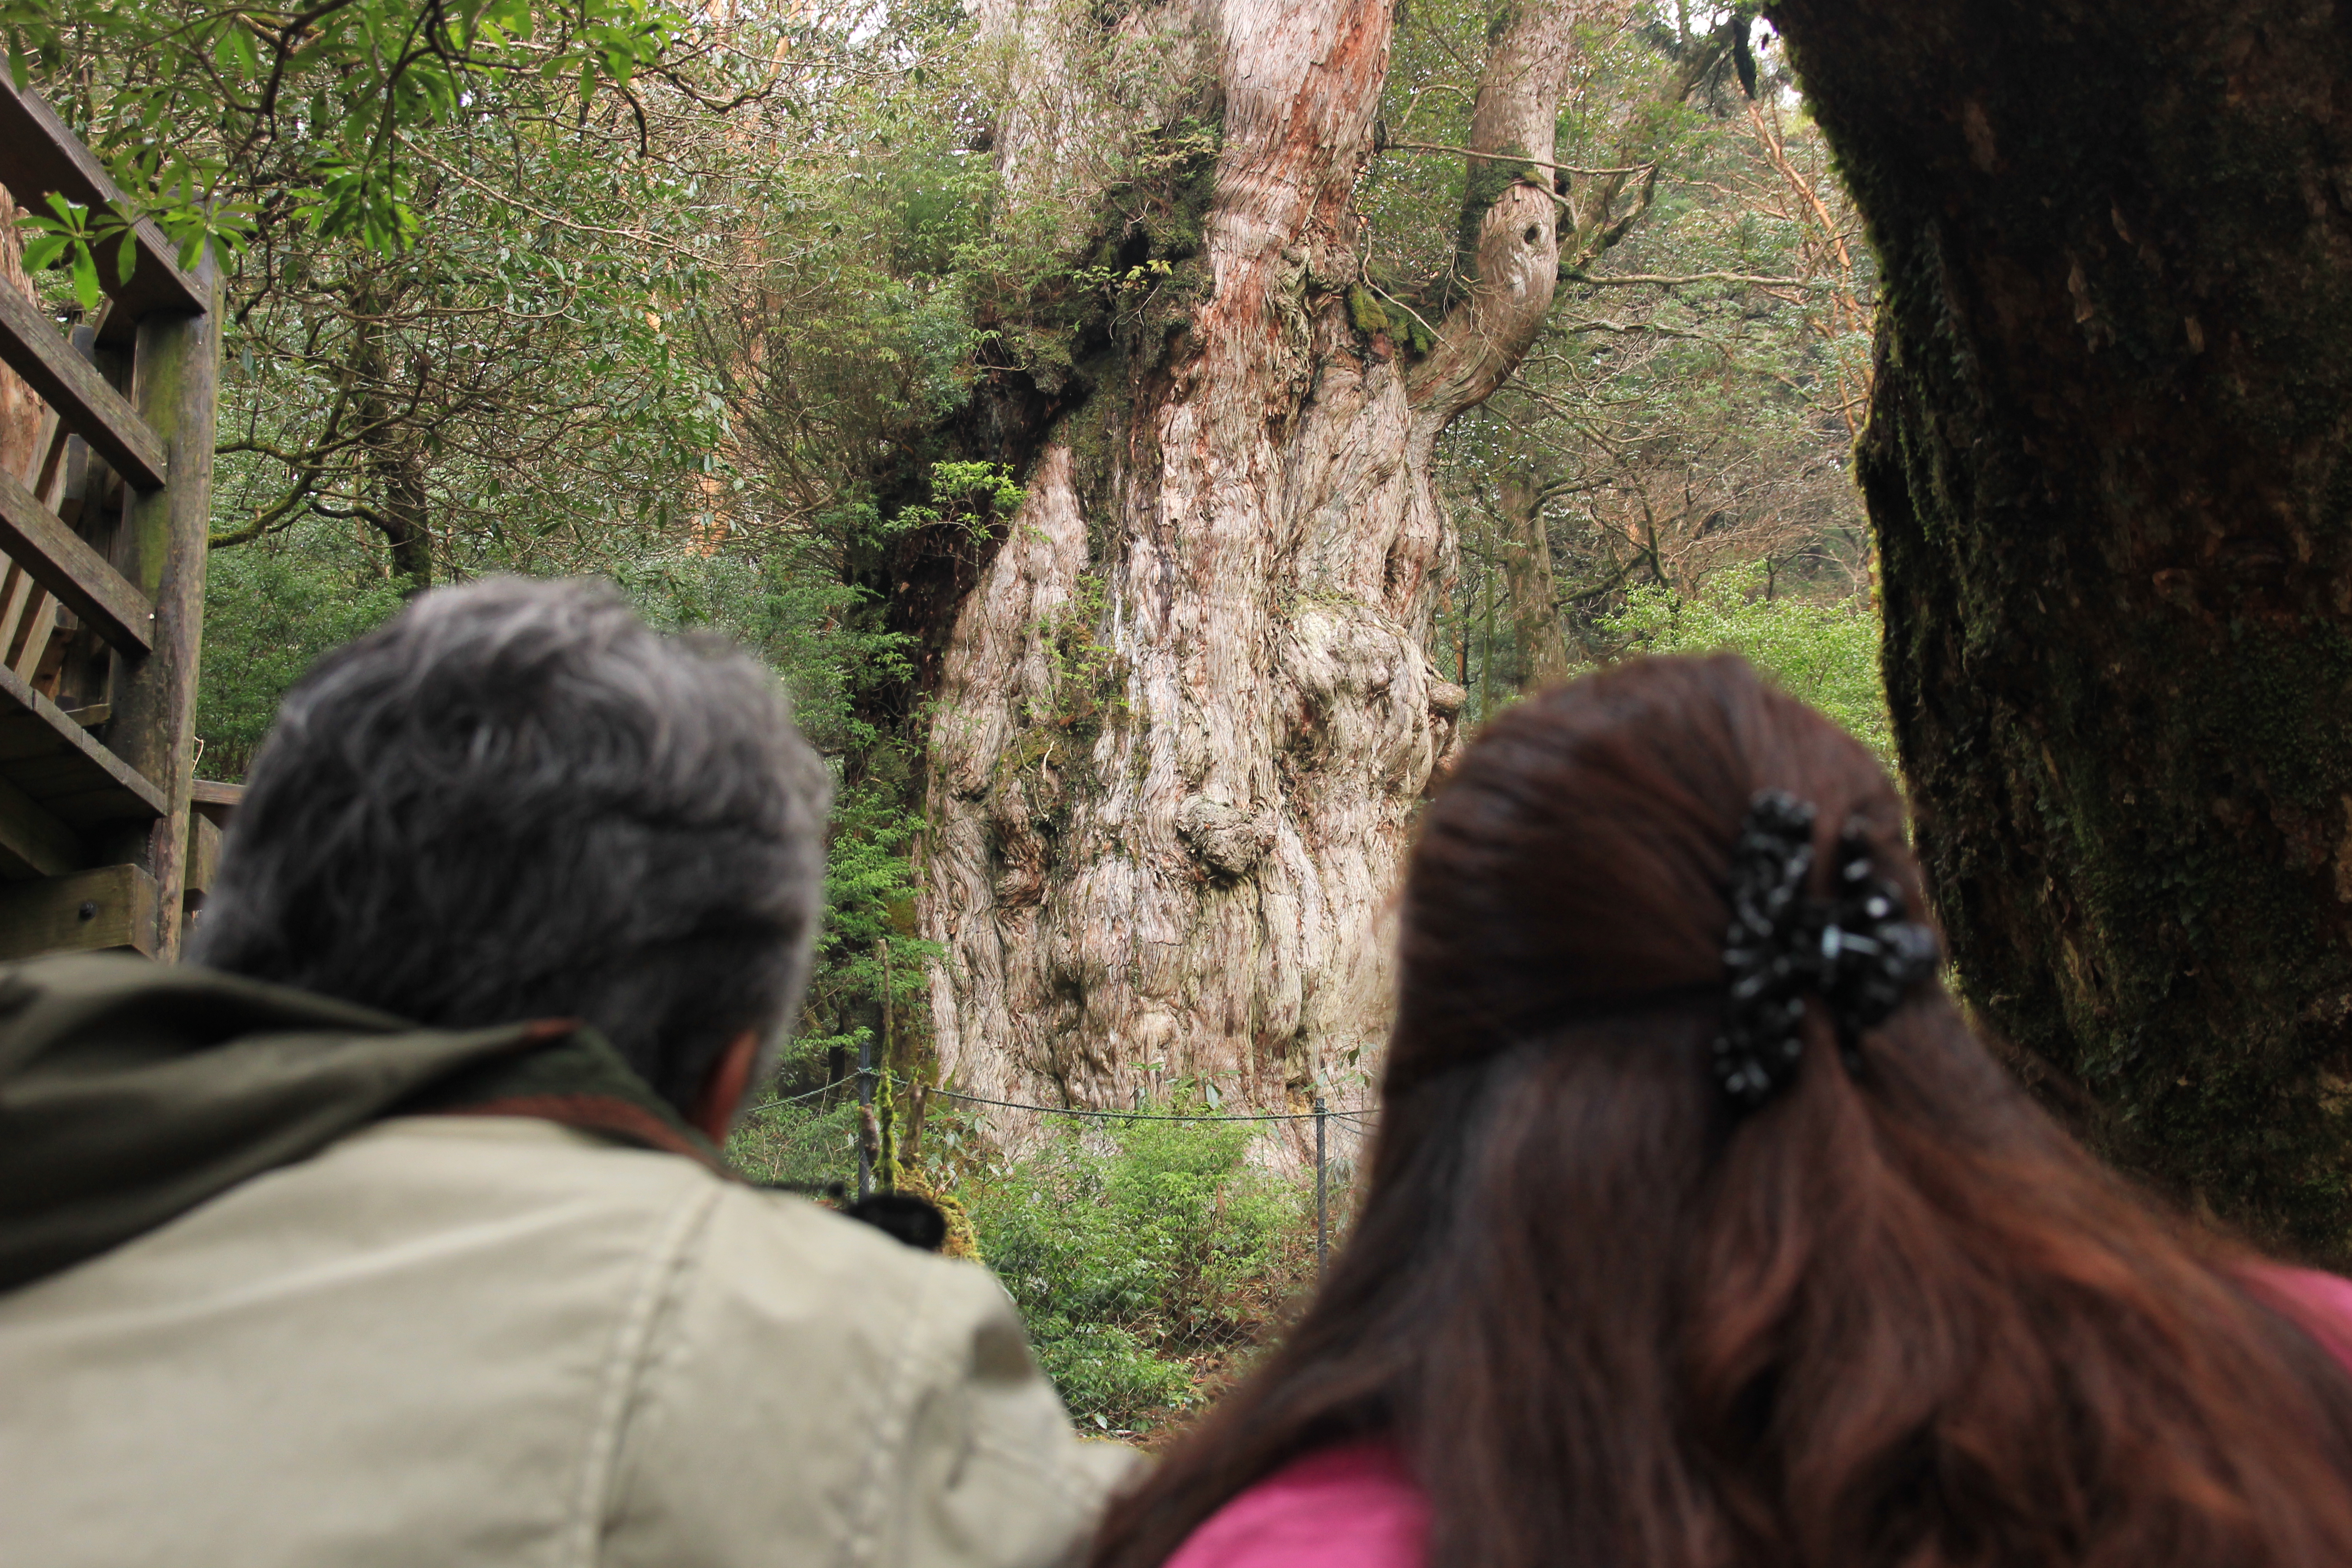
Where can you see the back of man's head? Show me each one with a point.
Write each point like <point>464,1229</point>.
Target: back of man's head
<point>515,801</point>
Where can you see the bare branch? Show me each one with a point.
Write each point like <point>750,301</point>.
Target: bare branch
<point>1513,158</point>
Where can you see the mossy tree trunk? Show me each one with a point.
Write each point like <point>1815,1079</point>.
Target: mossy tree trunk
<point>1526,567</point>
<point>401,508</point>
<point>2108,464</point>
<point>1186,713</point>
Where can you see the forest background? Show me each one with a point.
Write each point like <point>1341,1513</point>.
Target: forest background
<point>686,298</point>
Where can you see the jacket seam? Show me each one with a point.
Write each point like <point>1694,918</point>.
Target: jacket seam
<point>1064,1481</point>
<point>861,1544</point>
<point>624,1365</point>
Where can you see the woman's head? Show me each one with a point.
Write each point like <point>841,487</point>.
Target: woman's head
<point>1578,860</point>
<point>1613,1315</point>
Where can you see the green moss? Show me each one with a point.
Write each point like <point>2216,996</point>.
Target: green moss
<point>1053,757</point>
<point>1488,178</point>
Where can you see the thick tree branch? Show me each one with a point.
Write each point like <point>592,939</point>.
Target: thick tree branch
<point>1510,235</point>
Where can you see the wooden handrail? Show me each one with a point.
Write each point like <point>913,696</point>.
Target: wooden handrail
<point>215,794</point>
<point>38,155</point>
<point>32,346</point>
<point>60,560</point>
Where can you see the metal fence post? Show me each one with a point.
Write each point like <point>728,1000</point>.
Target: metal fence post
<point>1322,1201</point>
<point>889,1139</point>
<point>865,1115</point>
<point>866,1132</point>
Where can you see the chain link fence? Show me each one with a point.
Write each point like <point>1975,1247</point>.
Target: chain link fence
<point>1152,1251</point>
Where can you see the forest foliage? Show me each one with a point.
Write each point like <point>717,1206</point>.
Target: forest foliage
<point>1145,1257</point>
<point>686,296</point>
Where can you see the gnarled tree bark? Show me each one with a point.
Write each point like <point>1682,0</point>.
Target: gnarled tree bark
<point>2107,460</point>
<point>1185,716</point>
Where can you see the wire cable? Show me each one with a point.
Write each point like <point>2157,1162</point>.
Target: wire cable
<point>893,1079</point>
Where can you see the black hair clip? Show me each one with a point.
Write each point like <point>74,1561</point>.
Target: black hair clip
<point>1855,950</point>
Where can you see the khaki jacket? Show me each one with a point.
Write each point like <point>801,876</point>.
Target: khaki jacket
<point>461,1341</point>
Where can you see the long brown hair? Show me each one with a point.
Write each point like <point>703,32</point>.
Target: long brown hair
<point>1893,1317</point>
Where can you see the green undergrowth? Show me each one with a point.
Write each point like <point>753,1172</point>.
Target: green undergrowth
<point>1826,654</point>
<point>1148,1259</point>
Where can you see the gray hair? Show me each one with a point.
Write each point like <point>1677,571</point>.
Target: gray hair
<point>516,800</point>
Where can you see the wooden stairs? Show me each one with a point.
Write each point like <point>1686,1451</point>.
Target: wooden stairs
<point>106,841</point>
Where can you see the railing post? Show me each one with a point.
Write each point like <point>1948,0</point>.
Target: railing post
<point>1322,1197</point>
<point>174,375</point>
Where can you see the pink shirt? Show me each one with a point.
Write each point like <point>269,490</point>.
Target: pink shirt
<point>1352,1506</point>
<point>2319,1304</point>
<point>1357,1506</point>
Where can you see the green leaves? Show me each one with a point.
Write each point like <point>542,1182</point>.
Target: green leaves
<point>361,203</point>
<point>72,235</point>
<point>313,110</point>
<point>505,21</point>
<point>233,51</point>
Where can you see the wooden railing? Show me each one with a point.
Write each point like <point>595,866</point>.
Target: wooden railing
<point>103,541</point>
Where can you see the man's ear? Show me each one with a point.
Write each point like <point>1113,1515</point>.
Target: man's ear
<point>722,1090</point>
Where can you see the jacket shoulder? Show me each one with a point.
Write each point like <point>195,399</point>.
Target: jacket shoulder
<point>892,1392</point>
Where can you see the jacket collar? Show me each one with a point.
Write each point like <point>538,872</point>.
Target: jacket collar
<point>130,1093</point>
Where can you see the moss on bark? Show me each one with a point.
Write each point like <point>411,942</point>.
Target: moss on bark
<point>1102,319</point>
<point>2106,461</point>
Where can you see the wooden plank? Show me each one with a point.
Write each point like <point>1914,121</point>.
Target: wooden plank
<point>99,812</point>
<point>36,350</point>
<point>38,631</point>
<point>111,907</point>
<point>60,560</point>
<point>67,781</point>
<point>39,155</point>
<point>72,484</point>
<point>33,841</point>
<point>48,762</point>
<point>16,591</point>
<point>204,853</point>
<point>49,450</point>
<point>13,646</point>
<point>211,794</point>
<point>67,771</point>
<point>71,460</point>
<point>23,737</point>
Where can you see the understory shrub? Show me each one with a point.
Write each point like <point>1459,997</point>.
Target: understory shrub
<point>1822,652</point>
<point>1146,1258</point>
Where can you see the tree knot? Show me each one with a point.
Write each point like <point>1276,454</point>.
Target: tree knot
<point>1228,841</point>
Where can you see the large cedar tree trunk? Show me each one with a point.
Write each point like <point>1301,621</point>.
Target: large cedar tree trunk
<point>1184,718</point>
<point>2107,460</point>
